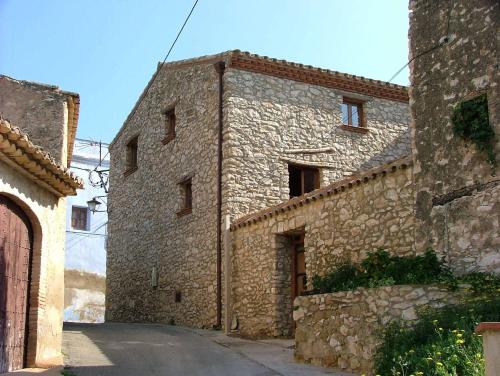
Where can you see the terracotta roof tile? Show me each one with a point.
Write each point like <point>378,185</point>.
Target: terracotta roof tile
<point>318,194</point>
<point>288,70</point>
<point>16,146</point>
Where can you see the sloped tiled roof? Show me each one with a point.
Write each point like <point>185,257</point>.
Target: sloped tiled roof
<point>287,70</point>
<point>300,72</point>
<point>318,76</point>
<point>318,194</point>
<point>16,148</point>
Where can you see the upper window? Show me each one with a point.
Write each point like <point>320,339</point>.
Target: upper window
<point>131,163</point>
<point>187,197</point>
<point>302,180</point>
<point>79,218</point>
<point>352,113</point>
<point>169,125</point>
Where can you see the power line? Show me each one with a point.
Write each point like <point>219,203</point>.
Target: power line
<point>71,243</point>
<point>417,56</point>
<point>443,41</point>
<point>164,60</point>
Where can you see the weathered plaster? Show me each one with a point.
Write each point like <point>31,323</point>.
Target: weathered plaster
<point>47,215</point>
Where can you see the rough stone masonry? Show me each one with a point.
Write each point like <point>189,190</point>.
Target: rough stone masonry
<point>341,222</point>
<point>457,193</point>
<point>162,259</point>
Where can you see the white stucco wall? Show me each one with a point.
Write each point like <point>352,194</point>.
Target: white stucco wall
<point>85,265</point>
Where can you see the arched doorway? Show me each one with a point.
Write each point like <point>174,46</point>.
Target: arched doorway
<point>16,245</point>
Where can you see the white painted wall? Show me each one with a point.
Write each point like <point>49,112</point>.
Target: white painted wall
<point>86,250</point>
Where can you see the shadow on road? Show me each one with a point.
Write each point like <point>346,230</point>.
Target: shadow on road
<point>153,349</point>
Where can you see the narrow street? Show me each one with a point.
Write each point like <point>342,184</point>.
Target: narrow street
<point>149,349</point>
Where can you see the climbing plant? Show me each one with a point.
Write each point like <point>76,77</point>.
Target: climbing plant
<point>471,122</point>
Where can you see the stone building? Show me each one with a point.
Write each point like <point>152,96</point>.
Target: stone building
<point>86,234</point>
<point>457,189</point>
<point>213,139</point>
<point>33,187</point>
<point>454,183</point>
<point>309,235</point>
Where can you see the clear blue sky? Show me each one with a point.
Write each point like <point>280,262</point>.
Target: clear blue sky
<point>107,50</point>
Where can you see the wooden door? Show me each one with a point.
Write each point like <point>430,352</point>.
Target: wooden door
<point>15,260</point>
<point>298,266</point>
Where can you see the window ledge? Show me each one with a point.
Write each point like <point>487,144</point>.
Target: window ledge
<point>168,138</point>
<point>130,171</point>
<point>184,212</point>
<point>354,129</point>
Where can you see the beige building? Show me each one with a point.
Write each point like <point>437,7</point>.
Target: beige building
<point>216,138</point>
<point>33,187</point>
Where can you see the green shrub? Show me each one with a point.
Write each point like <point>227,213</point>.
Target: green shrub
<point>344,278</point>
<point>382,269</point>
<point>441,342</point>
<point>471,122</point>
<point>482,283</point>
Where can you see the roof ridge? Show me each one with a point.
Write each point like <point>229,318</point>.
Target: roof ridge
<point>42,85</point>
<point>248,61</point>
<point>312,67</point>
<point>72,98</point>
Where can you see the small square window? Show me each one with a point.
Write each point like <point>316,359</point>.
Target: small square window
<point>352,113</point>
<point>186,197</point>
<point>169,117</point>
<point>131,161</point>
<point>302,179</point>
<point>79,218</point>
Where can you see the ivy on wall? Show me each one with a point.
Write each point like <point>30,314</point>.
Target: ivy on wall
<point>471,122</point>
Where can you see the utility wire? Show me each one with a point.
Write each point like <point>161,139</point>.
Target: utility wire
<point>77,239</point>
<point>443,41</point>
<point>165,59</point>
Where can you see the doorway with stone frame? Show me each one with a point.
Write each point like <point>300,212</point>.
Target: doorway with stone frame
<point>291,277</point>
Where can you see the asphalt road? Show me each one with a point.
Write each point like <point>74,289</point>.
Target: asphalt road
<point>149,349</point>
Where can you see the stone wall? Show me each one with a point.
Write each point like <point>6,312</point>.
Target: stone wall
<point>47,214</point>
<point>342,221</point>
<point>265,120</point>
<point>457,200</point>
<point>39,110</point>
<point>271,122</point>
<point>145,231</point>
<point>340,329</point>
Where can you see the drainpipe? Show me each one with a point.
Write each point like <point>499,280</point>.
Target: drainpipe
<point>219,68</point>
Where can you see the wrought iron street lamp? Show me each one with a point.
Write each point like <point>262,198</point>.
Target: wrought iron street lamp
<point>93,205</point>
